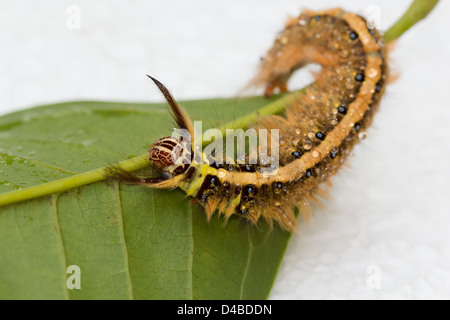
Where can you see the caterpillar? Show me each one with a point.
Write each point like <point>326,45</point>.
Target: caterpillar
<point>316,132</point>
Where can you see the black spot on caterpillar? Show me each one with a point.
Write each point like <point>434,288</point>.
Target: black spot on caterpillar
<point>316,133</point>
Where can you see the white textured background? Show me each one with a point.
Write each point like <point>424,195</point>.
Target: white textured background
<point>389,209</point>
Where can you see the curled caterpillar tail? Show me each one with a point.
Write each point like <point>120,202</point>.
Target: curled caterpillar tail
<point>320,127</point>
<point>315,134</point>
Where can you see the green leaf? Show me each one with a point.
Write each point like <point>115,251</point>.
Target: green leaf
<point>130,242</point>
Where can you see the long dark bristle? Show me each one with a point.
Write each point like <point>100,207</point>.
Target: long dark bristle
<point>176,110</point>
<point>118,173</point>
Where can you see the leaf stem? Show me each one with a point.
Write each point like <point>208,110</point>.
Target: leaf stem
<point>68,183</point>
<point>275,107</point>
<point>418,10</point>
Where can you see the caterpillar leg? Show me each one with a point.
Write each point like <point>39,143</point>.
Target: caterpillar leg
<point>271,87</point>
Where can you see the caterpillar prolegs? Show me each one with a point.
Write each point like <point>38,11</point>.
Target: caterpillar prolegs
<point>316,133</point>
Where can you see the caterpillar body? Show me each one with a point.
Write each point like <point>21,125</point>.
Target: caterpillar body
<point>316,133</point>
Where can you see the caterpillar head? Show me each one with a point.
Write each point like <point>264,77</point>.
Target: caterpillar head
<point>169,155</point>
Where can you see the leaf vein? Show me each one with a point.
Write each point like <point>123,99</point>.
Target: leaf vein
<point>247,266</point>
<point>122,231</point>
<point>54,207</point>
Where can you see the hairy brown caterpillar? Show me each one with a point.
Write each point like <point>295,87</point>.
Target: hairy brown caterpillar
<point>316,133</point>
